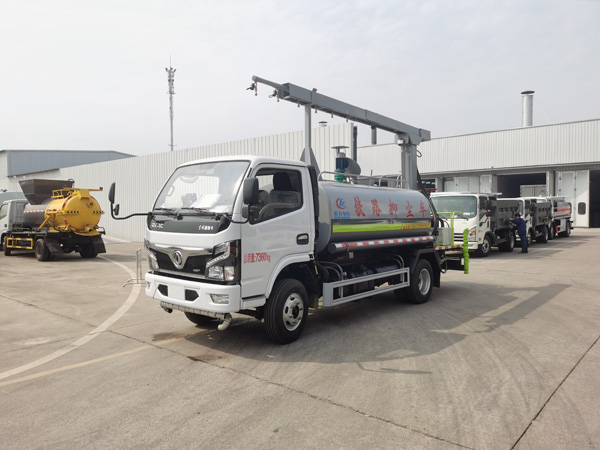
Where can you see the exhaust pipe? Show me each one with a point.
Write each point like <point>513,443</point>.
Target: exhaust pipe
<point>226,322</point>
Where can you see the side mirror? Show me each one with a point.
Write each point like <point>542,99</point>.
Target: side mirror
<point>111,193</point>
<point>114,209</point>
<point>251,191</point>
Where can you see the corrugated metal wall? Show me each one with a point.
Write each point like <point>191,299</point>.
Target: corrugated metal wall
<point>139,179</point>
<point>3,171</point>
<point>569,143</point>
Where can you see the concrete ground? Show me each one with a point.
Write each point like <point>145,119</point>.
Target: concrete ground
<point>505,357</point>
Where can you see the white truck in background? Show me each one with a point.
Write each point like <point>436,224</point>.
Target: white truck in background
<point>561,223</point>
<point>484,216</point>
<point>537,213</point>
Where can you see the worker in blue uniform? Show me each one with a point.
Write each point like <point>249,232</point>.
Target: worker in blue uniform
<point>522,230</point>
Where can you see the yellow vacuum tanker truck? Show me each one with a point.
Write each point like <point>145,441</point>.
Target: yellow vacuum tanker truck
<point>55,218</point>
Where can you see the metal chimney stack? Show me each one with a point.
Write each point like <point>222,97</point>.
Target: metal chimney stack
<point>527,108</point>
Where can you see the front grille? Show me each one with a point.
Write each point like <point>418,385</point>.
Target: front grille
<point>194,265</point>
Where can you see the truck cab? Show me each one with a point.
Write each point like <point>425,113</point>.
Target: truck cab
<point>11,217</point>
<point>221,231</point>
<point>484,216</point>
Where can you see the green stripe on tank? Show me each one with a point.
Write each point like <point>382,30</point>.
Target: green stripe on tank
<point>355,228</point>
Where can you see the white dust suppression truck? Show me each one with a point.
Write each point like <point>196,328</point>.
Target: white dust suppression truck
<point>537,213</point>
<point>485,217</point>
<point>55,218</point>
<point>265,237</point>
<point>271,238</point>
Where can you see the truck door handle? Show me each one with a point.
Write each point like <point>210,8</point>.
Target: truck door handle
<point>302,239</point>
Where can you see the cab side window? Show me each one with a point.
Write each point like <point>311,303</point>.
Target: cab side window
<point>280,192</point>
<point>3,211</point>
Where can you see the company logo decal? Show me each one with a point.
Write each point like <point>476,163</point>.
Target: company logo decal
<point>340,203</point>
<point>178,259</point>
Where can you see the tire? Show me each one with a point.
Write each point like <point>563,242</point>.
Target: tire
<point>199,319</point>
<point>509,245</point>
<point>286,311</point>
<point>88,251</point>
<point>7,251</point>
<point>543,239</point>
<point>551,232</point>
<point>42,253</point>
<point>567,232</point>
<point>485,247</point>
<point>421,283</point>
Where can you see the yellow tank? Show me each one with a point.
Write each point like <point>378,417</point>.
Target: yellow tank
<point>69,210</point>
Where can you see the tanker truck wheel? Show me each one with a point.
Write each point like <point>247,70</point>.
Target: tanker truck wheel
<point>286,311</point>
<point>421,283</point>
<point>88,251</point>
<point>485,247</point>
<point>42,253</point>
<point>567,231</point>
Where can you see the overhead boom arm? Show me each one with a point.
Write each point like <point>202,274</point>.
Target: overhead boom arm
<point>410,136</point>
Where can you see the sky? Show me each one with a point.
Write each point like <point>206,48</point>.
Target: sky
<point>90,75</point>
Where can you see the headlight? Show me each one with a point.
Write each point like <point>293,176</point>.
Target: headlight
<point>226,259</point>
<point>473,234</point>
<point>223,273</point>
<point>222,251</point>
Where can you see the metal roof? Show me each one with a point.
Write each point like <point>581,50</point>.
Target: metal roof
<point>22,162</point>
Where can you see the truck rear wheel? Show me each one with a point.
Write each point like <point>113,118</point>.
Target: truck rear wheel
<point>41,250</point>
<point>509,245</point>
<point>421,283</point>
<point>286,311</point>
<point>543,239</point>
<point>567,231</point>
<point>88,251</point>
<point>485,247</point>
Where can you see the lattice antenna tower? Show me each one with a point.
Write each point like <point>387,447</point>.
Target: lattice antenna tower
<point>171,78</point>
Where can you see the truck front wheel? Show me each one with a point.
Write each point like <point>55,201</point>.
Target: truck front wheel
<point>7,250</point>
<point>41,250</point>
<point>421,283</point>
<point>485,247</point>
<point>286,311</point>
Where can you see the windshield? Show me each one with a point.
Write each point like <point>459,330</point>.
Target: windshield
<point>462,206</point>
<point>209,186</point>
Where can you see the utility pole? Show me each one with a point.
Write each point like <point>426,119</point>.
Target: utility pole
<point>171,78</point>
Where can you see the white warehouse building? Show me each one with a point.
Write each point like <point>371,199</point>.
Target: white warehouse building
<point>562,159</point>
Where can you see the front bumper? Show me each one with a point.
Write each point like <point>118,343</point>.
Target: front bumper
<point>192,295</point>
